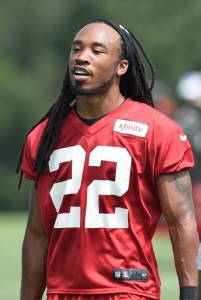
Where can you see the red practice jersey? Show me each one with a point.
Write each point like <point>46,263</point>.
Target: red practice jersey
<point>99,201</point>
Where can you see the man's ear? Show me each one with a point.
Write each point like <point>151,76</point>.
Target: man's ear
<point>122,67</point>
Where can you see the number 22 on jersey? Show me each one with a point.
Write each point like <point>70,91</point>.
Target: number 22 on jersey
<point>93,219</point>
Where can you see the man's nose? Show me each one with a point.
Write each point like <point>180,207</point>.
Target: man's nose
<point>81,62</point>
<point>82,57</point>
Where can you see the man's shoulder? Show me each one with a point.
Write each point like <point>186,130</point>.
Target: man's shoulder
<point>149,114</point>
<point>37,131</point>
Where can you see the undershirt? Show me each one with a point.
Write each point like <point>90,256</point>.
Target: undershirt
<point>88,122</point>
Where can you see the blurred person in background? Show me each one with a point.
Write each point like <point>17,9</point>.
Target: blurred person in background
<point>104,165</point>
<point>189,117</point>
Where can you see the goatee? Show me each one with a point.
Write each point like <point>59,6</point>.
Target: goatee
<point>101,88</point>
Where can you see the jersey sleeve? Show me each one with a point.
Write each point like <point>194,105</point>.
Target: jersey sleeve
<point>173,150</point>
<point>30,151</point>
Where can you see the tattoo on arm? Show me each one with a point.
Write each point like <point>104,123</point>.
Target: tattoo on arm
<point>183,187</point>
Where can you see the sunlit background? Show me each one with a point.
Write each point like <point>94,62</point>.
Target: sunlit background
<point>35,41</point>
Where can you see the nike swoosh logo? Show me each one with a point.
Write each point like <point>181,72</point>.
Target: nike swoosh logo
<point>183,138</point>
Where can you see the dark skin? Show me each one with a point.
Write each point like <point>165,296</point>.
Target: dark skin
<point>96,51</point>
<point>177,205</point>
<point>34,252</point>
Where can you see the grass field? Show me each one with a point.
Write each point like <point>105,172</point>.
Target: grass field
<point>11,234</point>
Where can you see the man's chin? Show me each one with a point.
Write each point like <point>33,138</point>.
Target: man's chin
<point>80,91</point>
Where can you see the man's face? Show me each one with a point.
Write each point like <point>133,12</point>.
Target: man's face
<point>94,59</point>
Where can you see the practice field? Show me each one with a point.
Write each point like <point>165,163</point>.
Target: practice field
<point>11,234</point>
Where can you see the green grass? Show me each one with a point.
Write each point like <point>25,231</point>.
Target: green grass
<point>11,235</point>
<point>12,228</point>
<point>164,256</point>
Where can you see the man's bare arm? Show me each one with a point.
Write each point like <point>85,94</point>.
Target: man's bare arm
<point>34,253</point>
<point>175,195</point>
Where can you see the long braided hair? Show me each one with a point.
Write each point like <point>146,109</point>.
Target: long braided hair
<point>133,84</point>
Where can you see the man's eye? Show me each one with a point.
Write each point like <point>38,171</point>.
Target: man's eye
<point>76,49</point>
<point>97,52</point>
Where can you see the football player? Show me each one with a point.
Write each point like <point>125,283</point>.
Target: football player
<point>104,166</point>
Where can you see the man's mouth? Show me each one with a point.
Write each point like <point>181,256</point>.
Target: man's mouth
<point>80,73</point>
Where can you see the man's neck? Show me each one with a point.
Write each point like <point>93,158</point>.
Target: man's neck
<point>90,107</point>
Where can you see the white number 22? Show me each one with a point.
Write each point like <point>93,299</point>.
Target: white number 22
<point>93,219</point>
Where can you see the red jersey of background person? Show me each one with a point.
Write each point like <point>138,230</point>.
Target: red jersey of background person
<point>99,201</point>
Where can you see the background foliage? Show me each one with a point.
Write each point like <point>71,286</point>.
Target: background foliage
<point>35,39</point>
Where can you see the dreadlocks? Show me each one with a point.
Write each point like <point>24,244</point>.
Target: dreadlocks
<point>133,84</point>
